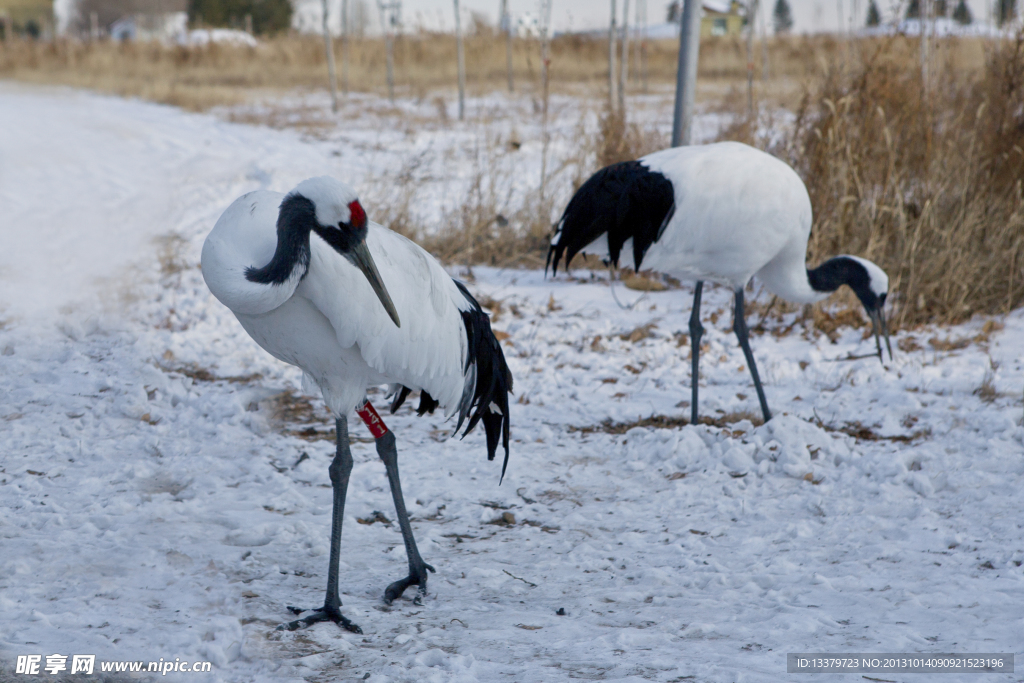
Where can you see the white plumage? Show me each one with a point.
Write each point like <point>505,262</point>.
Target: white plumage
<point>722,212</point>
<point>329,323</point>
<point>356,305</point>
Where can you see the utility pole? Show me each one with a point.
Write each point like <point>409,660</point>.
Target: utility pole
<point>329,46</point>
<point>624,65</point>
<point>506,23</point>
<point>686,75</point>
<point>611,60</point>
<point>462,63</point>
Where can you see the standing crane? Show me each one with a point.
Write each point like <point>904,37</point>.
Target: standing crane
<point>722,212</point>
<point>305,275</point>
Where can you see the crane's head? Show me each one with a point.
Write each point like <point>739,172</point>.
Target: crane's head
<point>871,285</point>
<point>341,222</point>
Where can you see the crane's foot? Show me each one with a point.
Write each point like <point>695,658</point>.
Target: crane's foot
<point>324,613</point>
<point>417,576</point>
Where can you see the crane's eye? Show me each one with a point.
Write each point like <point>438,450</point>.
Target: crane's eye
<point>358,216</point>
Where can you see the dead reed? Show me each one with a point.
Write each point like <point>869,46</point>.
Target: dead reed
<point>925,181</point>
<point>201,77</point>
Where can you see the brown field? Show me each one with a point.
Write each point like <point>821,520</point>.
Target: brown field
<point>926,183</point>
<point>201,77</point>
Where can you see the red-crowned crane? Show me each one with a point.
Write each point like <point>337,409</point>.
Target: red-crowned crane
<point>355,305</point>
<point>722,212</point>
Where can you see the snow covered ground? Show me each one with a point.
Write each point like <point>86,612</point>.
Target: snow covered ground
<point>155,504</point>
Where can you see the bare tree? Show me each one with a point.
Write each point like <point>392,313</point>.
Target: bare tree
<point>346,47</point>
<point>751,16</point>
<point>624,66</point>
<point>545,26</point>
<point>389,18</point>
<point>462,63</point>
<point>611,60</point>
<point>360,19</point>
<point>329,47</point>
<point>506,26</point>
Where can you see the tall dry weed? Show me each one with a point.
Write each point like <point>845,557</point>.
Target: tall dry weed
<point>618,140</point>
<point>201,77</point>
<point>927,183</point>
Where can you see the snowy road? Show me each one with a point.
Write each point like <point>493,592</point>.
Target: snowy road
<point>155,503</point>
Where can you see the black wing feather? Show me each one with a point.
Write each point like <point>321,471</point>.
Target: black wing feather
<point>493,381</point>
<point>625,200</point>
<point>493,378</point>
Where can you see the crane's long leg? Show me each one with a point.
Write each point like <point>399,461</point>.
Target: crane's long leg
<point>388,452</point>
<point>739,325</point>
<point>696,332</point>
<point>341,469</point>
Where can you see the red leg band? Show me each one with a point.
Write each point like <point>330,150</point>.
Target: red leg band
<point>372,420</point>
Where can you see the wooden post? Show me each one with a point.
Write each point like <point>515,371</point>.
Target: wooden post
<point>624,65</point>
<point>248,24</point>
<point>462,63</point>
<point>686,75</point>
<point>329,47</point>
<point>611,60</point>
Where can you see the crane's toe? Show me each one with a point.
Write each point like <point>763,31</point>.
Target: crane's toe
<point>325,613</point>
<point>417,577</point>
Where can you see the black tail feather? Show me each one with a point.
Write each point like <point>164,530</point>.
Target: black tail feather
<point>493,379</point>
<point>427,402</point>
<point>400,396</point>
<point>625,200</point>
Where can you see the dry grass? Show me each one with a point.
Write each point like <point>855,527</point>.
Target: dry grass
<point>927,184</point>
<point>198,78</point>
<point>724,421</point>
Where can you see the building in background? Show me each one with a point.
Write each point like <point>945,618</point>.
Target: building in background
<point>29,18</point>
<point>717,17</point>
<point>165,23</point>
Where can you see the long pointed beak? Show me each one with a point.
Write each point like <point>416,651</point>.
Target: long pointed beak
<point>880,328</point>
<point>360,256</point>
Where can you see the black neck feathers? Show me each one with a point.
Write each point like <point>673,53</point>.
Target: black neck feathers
<point>296,218</point>
<point>842,270</point>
